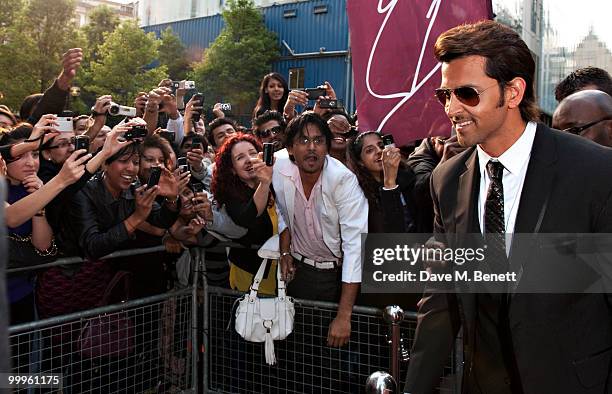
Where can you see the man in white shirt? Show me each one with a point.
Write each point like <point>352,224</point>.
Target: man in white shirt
<point>325,212</point>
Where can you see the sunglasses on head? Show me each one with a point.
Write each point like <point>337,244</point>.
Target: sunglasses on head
<point>579,129</point>
<point>266,133</point>
<point>467,95</point>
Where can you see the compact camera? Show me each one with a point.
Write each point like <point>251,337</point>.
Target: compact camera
<point>136,132</point>
<point>64,122</point>
<point>226,107</point>
<point>183,85</point>
<point>121,110</point>
<point>315,93</point>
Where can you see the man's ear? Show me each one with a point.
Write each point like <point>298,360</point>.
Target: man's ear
<point>514,91</point>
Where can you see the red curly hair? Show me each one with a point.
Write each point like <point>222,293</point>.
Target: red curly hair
<point>226,186</point>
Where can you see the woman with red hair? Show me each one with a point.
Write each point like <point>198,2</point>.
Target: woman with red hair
<point>242,182</point>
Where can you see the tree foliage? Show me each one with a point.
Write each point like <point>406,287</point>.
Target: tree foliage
<point>34,36</point>
<point>122,68</point>
<point>232,68</point>
<point>173,55</point>
<point>102,21</point>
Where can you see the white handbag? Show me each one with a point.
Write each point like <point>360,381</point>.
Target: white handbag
<point>266,319</point>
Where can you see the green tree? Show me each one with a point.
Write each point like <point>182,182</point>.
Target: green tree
<point>49,24</point>
<point>34,34</point>
<point>102,21</point>
<point>122,69</point>
<point>173,55</point>
<point>232,68</point>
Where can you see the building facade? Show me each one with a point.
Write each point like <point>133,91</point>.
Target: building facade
<point>153,12</point>
<point>124,11</point>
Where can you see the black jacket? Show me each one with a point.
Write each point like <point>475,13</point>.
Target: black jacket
<point>423,161</point>
<point>259,228</point>
<point>97,218</point>
<point>53,101</point>
<point>561,343</point>
<point>57,208</point>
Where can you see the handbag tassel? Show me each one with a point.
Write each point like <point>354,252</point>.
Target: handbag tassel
<point>270,358</point>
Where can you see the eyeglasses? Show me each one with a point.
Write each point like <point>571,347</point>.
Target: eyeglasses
<point>305,141</point>
<point>266,133</point>
<point>467,95</point>
<point>63,144</point>
<point>579,129</point>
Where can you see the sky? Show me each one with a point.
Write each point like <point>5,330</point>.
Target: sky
<point>573,18</point>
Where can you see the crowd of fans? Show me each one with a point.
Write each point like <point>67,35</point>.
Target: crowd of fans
<point>330,182</point>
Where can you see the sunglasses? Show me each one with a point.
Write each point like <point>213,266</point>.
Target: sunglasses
<point>579,129</point>
<point>266,133</point>
<point>467,95</point>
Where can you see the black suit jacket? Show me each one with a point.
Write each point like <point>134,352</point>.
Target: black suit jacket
<point>562,343</point>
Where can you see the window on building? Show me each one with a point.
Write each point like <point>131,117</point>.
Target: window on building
<point>296,78</point>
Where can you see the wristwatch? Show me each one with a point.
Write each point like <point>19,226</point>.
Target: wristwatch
<point>96,114</point>
<point>283,254</point>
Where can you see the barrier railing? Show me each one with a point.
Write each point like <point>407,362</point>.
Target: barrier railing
<point>304,361</point>
<point>158,351</point>
<point>147,345</point>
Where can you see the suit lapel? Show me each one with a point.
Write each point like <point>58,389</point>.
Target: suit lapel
<point>467,192</point>
<point>538,182</point>
<point>536,192</point>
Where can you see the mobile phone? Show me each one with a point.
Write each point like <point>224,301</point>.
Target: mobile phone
<point>328,103</point>
<point>196,140</point>
<point>388,140</point>
<point>183,164</point>
<point>154,177</point>
<point>197,187</point>
<point>315,93</point>
<point>168,135</point>
<point>136,132</point>
<point>268,153</point>
<point>81,142</point>
<point>197,113</point>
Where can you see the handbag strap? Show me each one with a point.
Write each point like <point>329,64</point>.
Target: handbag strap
<point>121,277</point>
<point>280,284</point>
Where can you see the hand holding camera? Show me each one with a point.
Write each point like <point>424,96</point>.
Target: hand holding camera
<point>144,202</point>
<point>73,168</point>
<point>202,206</point>
<point>168,184</point>
<point>262,171</point>
<point>219,109</point>
<point>102,105</point>
<point>114,141</point>
<point>140,103</point>
<point>195,157</point>
<point>391,158</point>
<point>46,126</point>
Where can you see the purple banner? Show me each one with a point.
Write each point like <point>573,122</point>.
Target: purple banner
<point>393,63</point>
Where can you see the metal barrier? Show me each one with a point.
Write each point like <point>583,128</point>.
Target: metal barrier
<point>158,352</point>
<point>146,345</point>
<point>305,363</point>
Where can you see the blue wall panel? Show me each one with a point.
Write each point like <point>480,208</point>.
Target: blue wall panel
<point>305,33</point>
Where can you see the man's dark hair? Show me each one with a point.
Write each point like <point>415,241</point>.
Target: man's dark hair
<point>268,116</point>
<point>581,78</point>
<point>28,105</point>
<point>299,123</point>
<point>216,123</point>
<point>507,57</point>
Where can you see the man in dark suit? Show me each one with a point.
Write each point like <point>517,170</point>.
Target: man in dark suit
<point>516,177</point>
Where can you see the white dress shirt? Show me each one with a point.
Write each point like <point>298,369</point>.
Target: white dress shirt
<point>515,161</point>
